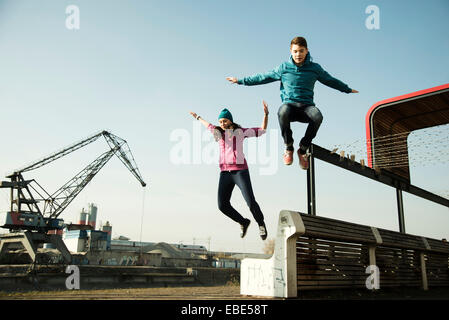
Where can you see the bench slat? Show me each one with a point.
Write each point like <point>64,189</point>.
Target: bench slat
<point>328,242</point>
<point>338,226</point>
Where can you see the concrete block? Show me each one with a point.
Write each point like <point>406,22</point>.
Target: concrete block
<point>275,276</point>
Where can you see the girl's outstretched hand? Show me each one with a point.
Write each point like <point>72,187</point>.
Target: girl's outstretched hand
<point>265,107</point>
<point>193,114</point>
<point>200,119</point>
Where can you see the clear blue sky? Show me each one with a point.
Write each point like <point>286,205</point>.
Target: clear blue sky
<point>137,68</point>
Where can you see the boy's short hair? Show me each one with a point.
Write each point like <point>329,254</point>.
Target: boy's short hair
<point>300,41</point>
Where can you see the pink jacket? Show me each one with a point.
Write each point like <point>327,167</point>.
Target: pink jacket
<point>231,147</point>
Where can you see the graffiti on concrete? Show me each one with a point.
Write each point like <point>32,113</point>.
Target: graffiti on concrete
<point>263,278</point>
<point>279,280</point>
<point>257,275</point>
<point>129,260</point>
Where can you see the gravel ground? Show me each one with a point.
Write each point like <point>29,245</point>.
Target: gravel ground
<point>173,293</point>
<point>228,292</point>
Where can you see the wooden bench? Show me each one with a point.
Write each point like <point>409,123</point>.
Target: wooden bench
<point>313,252</point>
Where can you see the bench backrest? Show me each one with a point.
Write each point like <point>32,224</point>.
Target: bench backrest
<point>336,254</point>
<point>314,252</point>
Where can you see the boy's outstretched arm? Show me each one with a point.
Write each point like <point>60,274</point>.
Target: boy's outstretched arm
<point>326,79</point>
<point>260,78</point>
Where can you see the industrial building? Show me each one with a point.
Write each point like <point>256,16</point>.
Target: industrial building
<point>83,237</point>
<point>96,247</point>
<point>89,246</point>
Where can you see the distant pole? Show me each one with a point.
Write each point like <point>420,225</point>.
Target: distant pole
<point>141,220</point>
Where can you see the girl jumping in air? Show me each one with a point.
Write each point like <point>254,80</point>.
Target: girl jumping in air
<point>234,168</point>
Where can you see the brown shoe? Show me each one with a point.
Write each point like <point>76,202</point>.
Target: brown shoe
<point>288,157</point>
<point>303,160</point>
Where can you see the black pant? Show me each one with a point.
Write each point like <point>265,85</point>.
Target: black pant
<point>228,180</point>
<point>295,111</point>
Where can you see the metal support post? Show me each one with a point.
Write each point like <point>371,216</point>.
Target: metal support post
<point>400,210</point>
<point>311,203</point>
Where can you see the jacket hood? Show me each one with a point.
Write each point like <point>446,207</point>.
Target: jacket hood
<point>306,60</point>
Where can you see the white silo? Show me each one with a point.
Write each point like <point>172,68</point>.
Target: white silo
<point>83,217</point>
<point>92,215</point>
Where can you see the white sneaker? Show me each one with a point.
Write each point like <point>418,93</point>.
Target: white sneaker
<point>263,232</point>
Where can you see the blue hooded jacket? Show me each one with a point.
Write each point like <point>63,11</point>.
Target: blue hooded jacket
<point>297,83</point>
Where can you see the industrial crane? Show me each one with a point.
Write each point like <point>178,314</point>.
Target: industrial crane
<point>36,211</point>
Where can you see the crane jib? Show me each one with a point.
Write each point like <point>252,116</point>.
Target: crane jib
<point>33,208</point>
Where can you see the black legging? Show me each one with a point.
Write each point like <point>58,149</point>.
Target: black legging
<point>292,111</point>
<point>228,179</point>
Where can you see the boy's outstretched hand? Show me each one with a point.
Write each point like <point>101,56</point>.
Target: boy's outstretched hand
<point>354,91</point>
<point>232,79</point>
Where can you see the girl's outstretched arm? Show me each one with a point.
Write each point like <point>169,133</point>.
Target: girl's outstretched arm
<point>265,117</point>
<point>197,117</point>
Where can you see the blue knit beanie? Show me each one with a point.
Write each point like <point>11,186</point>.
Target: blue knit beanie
<point>225,114</point>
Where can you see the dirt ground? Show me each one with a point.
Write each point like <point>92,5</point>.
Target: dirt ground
<point>227,292</point>
<point>173,293</point>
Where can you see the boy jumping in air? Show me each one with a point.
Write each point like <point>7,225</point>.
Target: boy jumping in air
<point>298,77</point>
